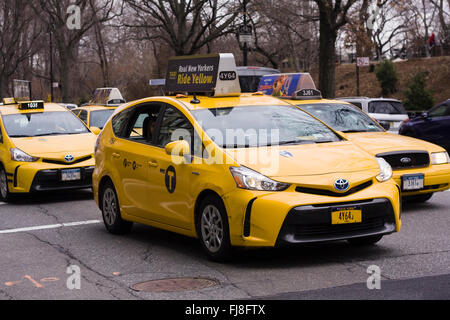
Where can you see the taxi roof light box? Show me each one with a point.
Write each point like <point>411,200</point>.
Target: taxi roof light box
<point>214,74</point>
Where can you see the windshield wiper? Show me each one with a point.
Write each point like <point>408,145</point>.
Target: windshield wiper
<point>50,134</point>
<point>354,131</point>
<point>282,143</point>
<point>20,136</point>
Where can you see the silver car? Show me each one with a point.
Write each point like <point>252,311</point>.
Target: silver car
<point>390,113</point>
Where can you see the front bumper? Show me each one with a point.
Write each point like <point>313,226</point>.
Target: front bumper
<point>262,219</point>
<point>305,224</point>
<point>38,176</point>
<point>437,178</point>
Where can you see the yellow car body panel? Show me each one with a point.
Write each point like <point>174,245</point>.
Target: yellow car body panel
<point>50,151</point>
<point>437,177</point>
<point>128,165</point>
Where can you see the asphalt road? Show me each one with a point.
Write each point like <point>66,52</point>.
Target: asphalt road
<point>40,238</point>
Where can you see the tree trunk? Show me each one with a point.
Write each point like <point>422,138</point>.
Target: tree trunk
<point>327,58</point>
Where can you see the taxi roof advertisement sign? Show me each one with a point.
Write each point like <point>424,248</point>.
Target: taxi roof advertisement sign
<point>22,90</point>
<point>192,74</point>
<point>285,84</point>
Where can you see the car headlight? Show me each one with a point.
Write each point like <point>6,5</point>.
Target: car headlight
<point>385,170</point>
<point>19,155</point>
<point>248,179</point>
<point>440,158</point>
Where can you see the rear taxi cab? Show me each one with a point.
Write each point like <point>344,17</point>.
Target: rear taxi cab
<point>99,108</point>
<point>237,170</point>
<point>43,147</point>
<point>420,168</point>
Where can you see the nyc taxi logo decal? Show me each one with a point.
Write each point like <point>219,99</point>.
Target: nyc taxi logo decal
<point>171,179</point>
<point>134,164</point>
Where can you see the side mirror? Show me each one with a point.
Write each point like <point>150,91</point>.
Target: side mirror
<point>178,148</point>
<point>95,130</point>
<point>424,115</point>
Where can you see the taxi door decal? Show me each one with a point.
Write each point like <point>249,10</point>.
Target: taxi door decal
<point>171,179</point>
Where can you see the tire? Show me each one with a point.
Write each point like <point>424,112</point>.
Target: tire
<point>111,211</point>
<point>365,241</point>
<point>213,229</point>
<point>421,198</point>
<point>5,195</point>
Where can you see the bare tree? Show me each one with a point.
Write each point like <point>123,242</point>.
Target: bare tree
<point>333,16</point>
<point>55,15</point>
<point>186,26</point>
<point>19,36</point>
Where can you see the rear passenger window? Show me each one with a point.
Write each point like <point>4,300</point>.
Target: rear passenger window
<point>386,107</point>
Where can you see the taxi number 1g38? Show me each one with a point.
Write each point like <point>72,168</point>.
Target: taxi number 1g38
<point>346,215</point>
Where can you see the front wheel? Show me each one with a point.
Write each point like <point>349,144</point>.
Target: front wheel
<point>365,241</point>
<point>213,229</point>
<point>111,211</point>
<point>5,195</point>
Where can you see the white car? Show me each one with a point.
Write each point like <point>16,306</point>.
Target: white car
<point>390,113</point>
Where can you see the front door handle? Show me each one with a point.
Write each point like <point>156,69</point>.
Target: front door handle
<point>116,155</point>
<point>153,163</point>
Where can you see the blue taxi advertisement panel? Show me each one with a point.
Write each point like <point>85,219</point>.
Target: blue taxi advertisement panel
<point>285,85</point>
<point>192,74</point>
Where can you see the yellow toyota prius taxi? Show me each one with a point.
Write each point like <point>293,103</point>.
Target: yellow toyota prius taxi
<point>43,147</point>
<point>420,168</point>
<point>237,170</point>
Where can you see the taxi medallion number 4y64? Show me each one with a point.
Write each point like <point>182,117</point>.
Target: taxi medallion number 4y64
<point>70,174</point>
<point>346,215</point>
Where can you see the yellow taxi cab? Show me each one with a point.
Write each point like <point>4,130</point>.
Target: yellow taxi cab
<point>420,168</point>
<point>237,170</point>
<point>100,108</point>
<point>43,147</point>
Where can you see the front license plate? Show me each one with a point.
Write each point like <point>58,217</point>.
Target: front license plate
<point>70,174</point>
<point>413,182</point>
<point>346,215</point>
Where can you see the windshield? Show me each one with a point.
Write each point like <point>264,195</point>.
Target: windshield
<point>256,126</point>
<point>343,117</point>
<point>99,118</point>
<point>43,124</point>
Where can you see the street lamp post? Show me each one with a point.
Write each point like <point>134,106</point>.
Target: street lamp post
<point>245,42</point>
<point>51,65</point>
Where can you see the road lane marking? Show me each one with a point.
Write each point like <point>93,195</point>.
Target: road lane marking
<point>51,226</point>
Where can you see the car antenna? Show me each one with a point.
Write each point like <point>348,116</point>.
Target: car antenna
<point>195,100</point>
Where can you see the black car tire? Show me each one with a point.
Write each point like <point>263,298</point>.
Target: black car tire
<point>5,195</point>
<point>111,211</point>
<point>213,229</point>
<point>421,198</point>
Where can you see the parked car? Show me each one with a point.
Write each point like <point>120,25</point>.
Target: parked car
<point>249,77</point>
<point>432,126</point>
<point>390,113</point>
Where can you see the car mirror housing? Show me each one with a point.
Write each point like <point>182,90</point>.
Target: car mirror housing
<point>95,130</point>
<point>178,148</point>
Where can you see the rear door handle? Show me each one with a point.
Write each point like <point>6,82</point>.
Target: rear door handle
<point>116,155</point>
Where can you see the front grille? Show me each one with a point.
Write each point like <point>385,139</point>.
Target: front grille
<point>406,159</point>
<point>330,230</point>
<point>310,223</point>
<point>48,180</point>
<point>53,161</point>
<point>323,192</point>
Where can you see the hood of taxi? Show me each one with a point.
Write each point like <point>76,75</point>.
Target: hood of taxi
<point>298,163</point>
<point>55,147</point>
<point>380,142</point>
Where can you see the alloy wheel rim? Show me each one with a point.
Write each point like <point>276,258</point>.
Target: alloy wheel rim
<point>212,228</point>
<point>109,206</point>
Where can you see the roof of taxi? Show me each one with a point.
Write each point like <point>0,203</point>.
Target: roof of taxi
<point>95,107</point>
<point>48,107</point>
<point>244,99</point>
